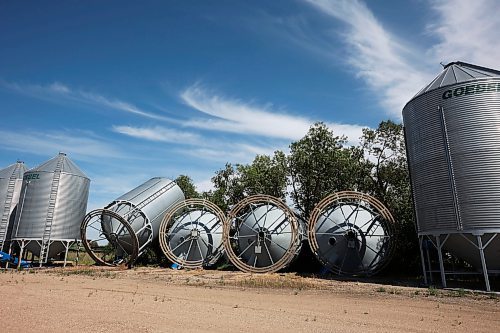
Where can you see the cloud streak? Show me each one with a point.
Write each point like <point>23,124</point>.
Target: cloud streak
<point>160,134</point>
<point>60,93</point>
<point>236,116</point>
<point>49,143</point>
<point>397,70</point>
<point>200,147</point>
<point>379,57</point>
<point>467,30</point>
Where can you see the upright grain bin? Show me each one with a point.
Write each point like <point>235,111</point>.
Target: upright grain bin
<point>124,229</point>
<point>52,203</point>
<point>452,129</point>
<point>262,235</point>
<point>11,180</point>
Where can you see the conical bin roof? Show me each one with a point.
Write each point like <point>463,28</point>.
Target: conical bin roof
<point>458,72</point>
<point>17,169</point>
<point>67,166</point>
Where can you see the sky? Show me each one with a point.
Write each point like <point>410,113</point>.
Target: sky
<point>136,89</point>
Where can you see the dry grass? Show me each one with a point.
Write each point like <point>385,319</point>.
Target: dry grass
<point>277,282</point>
<point>86,271</point>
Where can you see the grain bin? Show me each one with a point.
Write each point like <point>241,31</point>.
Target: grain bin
<point>452,135</point>
<point>124,229</point>
<point>52,203</point>
<point>11,180</point>
<point>262,235</point>
<point>191,233</point>
<point>351,233</point>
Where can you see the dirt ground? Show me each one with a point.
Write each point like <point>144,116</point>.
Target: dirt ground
<point>164,300</point>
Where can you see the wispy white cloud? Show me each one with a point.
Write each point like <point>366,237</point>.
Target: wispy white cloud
<point>201,147</point>
<point>236,116</point>
<point>160,134</point>
<point>50,143</point>
<point>393,67</point>
<point>60,93</point>
<point>232,115</point>
<point>226,151</point>
<point>467,31</point>
<point>225,115</point>
<point>385,62</point>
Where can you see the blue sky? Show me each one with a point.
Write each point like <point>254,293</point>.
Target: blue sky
<point>132,90</point>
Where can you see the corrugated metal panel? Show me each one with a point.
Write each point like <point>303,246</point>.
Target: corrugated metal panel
<point>71,206</point>
<point>33,206</point>
<point>471,126</point>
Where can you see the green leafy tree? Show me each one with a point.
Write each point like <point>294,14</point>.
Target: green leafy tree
<point>389,182</point>
<point>319,165</point>
<point>266,175</point>
<point>187,186</point>
<point>228,188</point>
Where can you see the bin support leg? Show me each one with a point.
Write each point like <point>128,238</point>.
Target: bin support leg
<point>483,263</point>
<point>441,264</point>
<point>421,241</point>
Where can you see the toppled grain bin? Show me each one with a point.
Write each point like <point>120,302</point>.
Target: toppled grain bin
<point>123,230</point>
<point>262,235</point>
<point>191,233</point>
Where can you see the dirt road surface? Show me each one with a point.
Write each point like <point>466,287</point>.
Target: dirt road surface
<point>163,300</point>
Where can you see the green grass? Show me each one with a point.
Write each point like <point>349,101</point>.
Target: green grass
<point>432,291</point>
<point>459,293</point>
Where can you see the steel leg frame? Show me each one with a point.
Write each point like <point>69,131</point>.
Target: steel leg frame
<point>440,255</point>
<point>20,255</point>
<point>439,246</point>
<point>10,252</point>
<point>428,256</point>
<point>424,271</point>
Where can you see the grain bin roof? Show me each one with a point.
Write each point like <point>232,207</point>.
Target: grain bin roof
<point>16,169</point>
<point>458,72</point>
<point>67,166</point>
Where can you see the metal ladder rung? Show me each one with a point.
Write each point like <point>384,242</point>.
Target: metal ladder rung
<point>137,211</point>
<point>50,212</point>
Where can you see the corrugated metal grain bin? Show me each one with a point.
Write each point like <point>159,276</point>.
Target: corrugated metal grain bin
<point>452,129</point>
<point>52,204</point>
<point>124,229</point>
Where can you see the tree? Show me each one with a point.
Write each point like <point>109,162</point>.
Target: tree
<point>228,189</point>
<point>319,165</point>
<point>266,175</point>
<point>389,181</point>
<point>187,186</point>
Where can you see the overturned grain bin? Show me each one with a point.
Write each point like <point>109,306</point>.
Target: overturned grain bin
<point>52,203</point>
<point>351,233</point>
<point>123,230</point>
<point>191,233</point>
<point>11,180</point>
<point>262,235</point>
<point>452,135</point>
